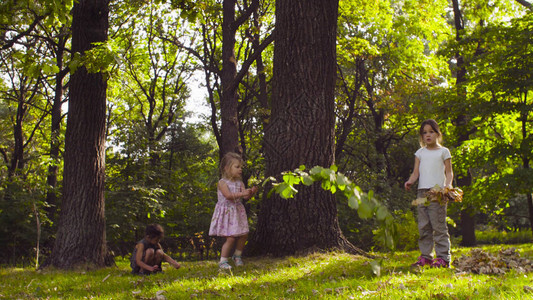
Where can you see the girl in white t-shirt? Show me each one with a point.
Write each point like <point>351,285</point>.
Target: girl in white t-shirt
<point>433,166</point>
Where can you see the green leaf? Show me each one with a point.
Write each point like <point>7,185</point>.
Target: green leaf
<point>342,181</point>
<point>376,266</point>
<point>365,210</point>
<point>291,179</point>
<point>450,222</point>
<point>381,213</point>
<point>333,189</point>
<point>317,173</point>
<point>316,170</point>
<point>307,180</point>
<point>285,190</point>
<point>353,202</point>
<point>326,185</point>
<point>389,240</point>
<point>326,174</point>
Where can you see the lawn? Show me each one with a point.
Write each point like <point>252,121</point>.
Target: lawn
<point>329,275</point>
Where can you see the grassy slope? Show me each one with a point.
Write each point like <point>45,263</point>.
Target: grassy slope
<point>324,276</point>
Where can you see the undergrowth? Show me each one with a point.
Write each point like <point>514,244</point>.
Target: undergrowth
<point>494,236</point>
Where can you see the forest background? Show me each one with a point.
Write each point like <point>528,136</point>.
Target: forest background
<point>468,65</point>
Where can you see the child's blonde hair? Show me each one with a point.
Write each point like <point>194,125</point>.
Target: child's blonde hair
<point>435,126</point>
<point>227,160</point>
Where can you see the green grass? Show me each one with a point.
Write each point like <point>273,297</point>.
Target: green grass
<point>493,236</point>
<point>315,276</point>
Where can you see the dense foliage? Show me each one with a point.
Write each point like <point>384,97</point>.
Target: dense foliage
<point>396,64</point>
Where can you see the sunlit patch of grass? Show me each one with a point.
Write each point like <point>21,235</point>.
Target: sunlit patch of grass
<point>331,275</point>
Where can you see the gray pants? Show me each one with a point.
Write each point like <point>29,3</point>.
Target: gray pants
<point>433,229</point>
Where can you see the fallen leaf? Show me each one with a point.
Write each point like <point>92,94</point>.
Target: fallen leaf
<point>481,262</point>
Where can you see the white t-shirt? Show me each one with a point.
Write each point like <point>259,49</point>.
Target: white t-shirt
<point>431,169</point>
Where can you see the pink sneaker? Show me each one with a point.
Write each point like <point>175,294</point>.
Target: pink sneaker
<point>422,261</point>
<point>439,263</point>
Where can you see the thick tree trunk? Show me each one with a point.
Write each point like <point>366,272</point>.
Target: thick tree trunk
<point>81,234</point>
<point>301,129</point>
<point>468,220</point>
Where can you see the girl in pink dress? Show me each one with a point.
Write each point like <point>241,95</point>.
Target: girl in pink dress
<point>229,218</point>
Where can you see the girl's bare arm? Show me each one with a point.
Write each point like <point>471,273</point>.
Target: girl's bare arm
<point>223,187</point>
<point>448,172</point>
<point>414,175</point>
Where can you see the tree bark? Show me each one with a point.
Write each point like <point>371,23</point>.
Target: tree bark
<point>468,225</point>
<point>17,160</point>
<point>55,143</point>
<point>263,92</point>
<point>468,220</point>
<point>301,129</point>
<point>229,113</point>
<point>81,239</point>
<point>229,128</point>
<point>529,196</point>
<point>525,163</point>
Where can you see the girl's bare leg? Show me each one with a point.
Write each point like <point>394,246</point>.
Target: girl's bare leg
<point>227,248</point>
<point>241,242</point>
<point>159,255</point>
<point>149,258</point>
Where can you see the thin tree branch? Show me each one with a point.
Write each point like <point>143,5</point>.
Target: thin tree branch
<point>246,15</point>
<point>10,43</point>
<point>247,63</point>
<point>525,4</point>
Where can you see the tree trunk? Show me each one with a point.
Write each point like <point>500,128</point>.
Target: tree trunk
<point>229,127</point>
<point>17,160</point>
<point>468,220</point>
<point>301,129</point>
<point>468,226</point>
<point>81,234</point>
<point>525,164</point>
<point>530,210</point>
<point>263,91</point>
<point>55,144</point>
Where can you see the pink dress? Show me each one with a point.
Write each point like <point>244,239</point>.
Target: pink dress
<point>229,217</point>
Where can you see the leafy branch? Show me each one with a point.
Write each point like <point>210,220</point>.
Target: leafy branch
<point>331,180</point>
